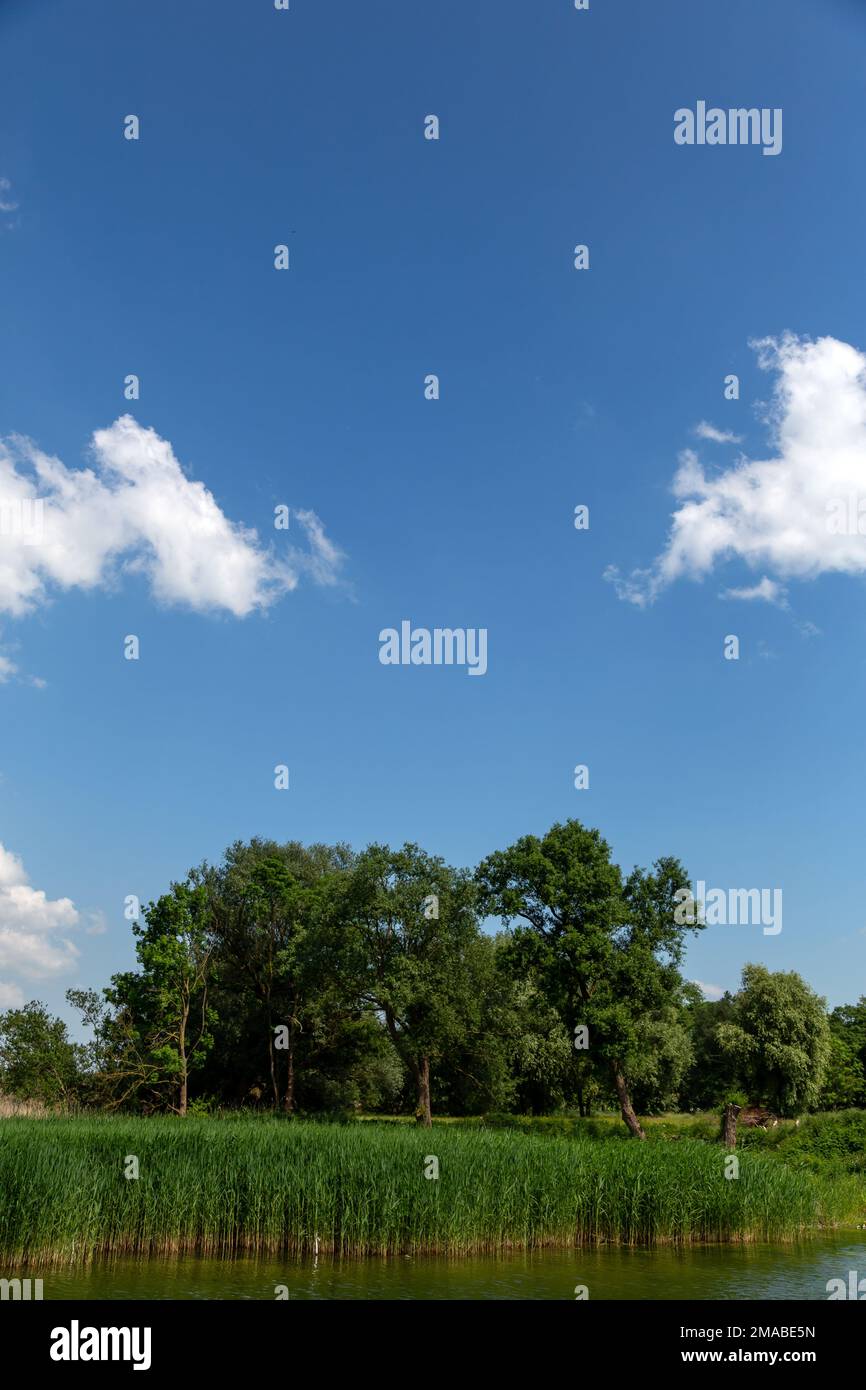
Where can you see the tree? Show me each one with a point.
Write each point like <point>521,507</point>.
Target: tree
<point>475,1073</point>
<point>412,925</point>
<point>273,909</point>
<point>779,1038</point>
<point>542,1056</point>
<point>604,952</point>
<point>660,1060</point>
<point>712,1076</point>
<point>160,1027</point>
<point>37,1059</point>
<point>845,1081</point>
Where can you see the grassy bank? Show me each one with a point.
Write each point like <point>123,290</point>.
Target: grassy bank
<point>221,1186</point>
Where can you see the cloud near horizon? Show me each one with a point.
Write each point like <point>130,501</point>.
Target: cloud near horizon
<point>774,513</point>
<point>136,511</point>
<point>31,926</point>
<point>709,991</point>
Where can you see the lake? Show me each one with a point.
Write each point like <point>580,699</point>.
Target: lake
<point>799,1271</point>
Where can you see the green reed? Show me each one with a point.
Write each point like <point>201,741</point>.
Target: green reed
<point>225,1185</point>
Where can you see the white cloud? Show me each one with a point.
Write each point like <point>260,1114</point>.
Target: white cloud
<point>29,921</point>
<point>766,589</point>
<point>323,559</point>
<point>8,207</point>
<point>136,511</point>
<point>10,671</point>
<point>709,991</point>
<point>704,430</point>
<point>776,513</point>
<point>11,996</point>
<point>98,925</point>
<point>6,203</point>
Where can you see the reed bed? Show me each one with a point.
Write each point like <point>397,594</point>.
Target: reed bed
<point>227,1186</point>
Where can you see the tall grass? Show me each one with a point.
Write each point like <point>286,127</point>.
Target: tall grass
<point>11,1105</point>
<point>221,1186</point>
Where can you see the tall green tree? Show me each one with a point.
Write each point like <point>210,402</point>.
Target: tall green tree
<point>711,1078</point>
<point>845,1081</point>
<point>547,1074</point>
<point>160,1029</point>
<point>412,924</point>
<point>273,912</point>
<point>658,1064</point>
<point>779,1038</point>
<point>38,1061</point>
<point>605,951</point>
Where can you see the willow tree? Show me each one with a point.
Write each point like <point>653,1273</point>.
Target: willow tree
<point>779,1038</point>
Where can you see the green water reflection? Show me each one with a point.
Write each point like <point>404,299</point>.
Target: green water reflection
<point>712,1272</point>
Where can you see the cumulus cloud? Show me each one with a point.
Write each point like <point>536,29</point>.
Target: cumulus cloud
<point>709,991</point>
<point>704,430</point>
<point>11,996</point>
<point>791,513</point>
<point>135,510</point>
<point>30,923</point>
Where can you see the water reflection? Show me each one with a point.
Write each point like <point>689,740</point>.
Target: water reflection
<point>798,1271</point>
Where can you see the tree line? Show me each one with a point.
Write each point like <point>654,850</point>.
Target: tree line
<point>316,979</point>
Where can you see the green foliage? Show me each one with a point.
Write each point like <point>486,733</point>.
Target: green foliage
<point>412,936</point>
<point>313,980</point>
<point>160,1031</point>
<point>542,1053</point>
<point>277,968</point>
<point>37,1059</point>
<point>603,951</point>
<point>659,1060</point>
<point>711,1079</point>
<point>833,1145</point>
<point>845,1082</point>
<point>779,1038</point>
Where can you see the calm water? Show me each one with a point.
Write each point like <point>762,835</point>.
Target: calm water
<point>761,1271</point>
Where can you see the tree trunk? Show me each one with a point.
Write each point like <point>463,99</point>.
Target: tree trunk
<point>625,1105</point>
<point>272,1059</point>
<point>730,1135</point>
<point>289,1097</point>
<point>423,1113</point>
<point>184,1079</point>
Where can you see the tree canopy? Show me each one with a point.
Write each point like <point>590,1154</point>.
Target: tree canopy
<point>316,979</point>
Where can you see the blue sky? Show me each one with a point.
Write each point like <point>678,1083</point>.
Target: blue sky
<point>306,388</point>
